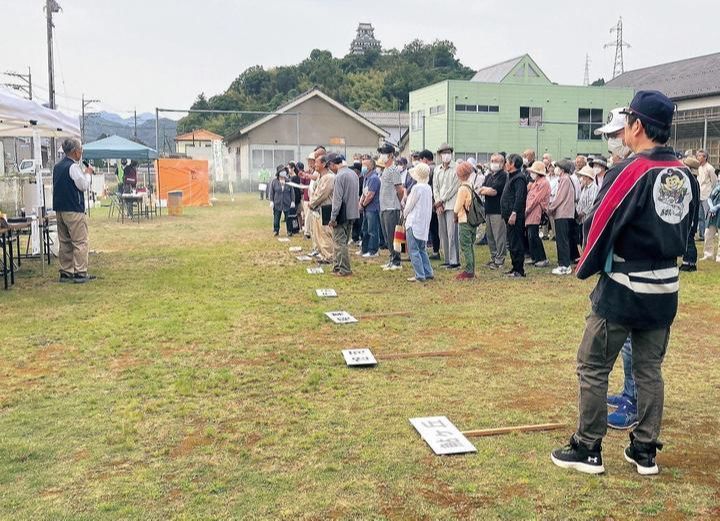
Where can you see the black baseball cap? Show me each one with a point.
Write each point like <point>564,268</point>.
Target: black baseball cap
<point>652,106</point>
<point>335,158</point>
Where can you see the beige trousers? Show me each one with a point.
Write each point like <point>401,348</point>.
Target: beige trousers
<point>73,238</point>
<point>322,235</point>
<point>710,233</point>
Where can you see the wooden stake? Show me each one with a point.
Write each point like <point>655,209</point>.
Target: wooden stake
<point>507,430</point>
<point>385,315</point>
<point>399,356</point>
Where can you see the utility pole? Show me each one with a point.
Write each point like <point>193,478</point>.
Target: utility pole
<point>85,103</point>
<point>135,134</point>
<point>51,7</point>
<point>619,44</point>
<point>586,80</point>
<point>25,86</point>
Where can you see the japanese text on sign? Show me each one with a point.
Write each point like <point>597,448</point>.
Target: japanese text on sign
<point>442,436</point>
<point>359,357</point>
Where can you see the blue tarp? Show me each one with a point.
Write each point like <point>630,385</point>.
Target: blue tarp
<point>116,147</point>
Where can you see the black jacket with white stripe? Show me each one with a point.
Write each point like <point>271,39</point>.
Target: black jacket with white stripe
<point>635,232</point>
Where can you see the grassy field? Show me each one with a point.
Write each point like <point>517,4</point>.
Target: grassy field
<point>198,378</point>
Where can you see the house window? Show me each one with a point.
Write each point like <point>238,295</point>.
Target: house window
<point>477,108</point>
<point>588,121</point>
<point>437,109</point>
<point>520,72</point>
<point>532,73</point>
<point>417,120</point>
<point>531,116</point>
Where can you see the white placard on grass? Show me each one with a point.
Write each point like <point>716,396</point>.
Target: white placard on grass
<point>295,249</point>
<point>304,258</point>
<point>341,317</point>
<point>315,271</point>
<point>442,436</point>
<point>359,357</point>
<point>283,239</point>
<point>326,292</point>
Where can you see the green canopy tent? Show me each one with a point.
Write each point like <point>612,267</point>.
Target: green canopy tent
<point>116,147</point>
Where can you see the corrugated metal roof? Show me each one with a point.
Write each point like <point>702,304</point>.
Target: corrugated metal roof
<point>388,119</point>
<point>496,73</point>
<point>690,78</point>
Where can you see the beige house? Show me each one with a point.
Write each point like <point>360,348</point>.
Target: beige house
<point>311,119</point>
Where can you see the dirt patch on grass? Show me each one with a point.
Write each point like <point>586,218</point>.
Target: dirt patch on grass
<point>462,504</point>
<point>189,444</point>
<point>125,361</point>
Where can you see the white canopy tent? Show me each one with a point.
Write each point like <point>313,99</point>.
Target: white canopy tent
<point>26,118</point>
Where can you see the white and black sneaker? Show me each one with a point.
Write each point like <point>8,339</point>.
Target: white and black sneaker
<point>577,456</point>
<point>642,455</point>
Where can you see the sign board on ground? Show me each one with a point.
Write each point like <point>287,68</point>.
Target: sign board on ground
<point>315,271</point>
<point>295,249</point>
<point>283,239</point>
<point>304,258</point>
<point>359,357</point>
<point>442,436</point>
<point>326,292</point>
<point>341,317</point>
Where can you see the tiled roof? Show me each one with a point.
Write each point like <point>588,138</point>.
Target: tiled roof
<point>199,135</point>
<point>388,119</point>
<point>690,78</point>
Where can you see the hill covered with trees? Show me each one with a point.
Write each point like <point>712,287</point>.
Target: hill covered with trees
<point>373,81</point>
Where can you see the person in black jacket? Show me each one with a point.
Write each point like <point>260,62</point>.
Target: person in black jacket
<point>512,210</point>
<point>281,200</point>
<point>634,234</point>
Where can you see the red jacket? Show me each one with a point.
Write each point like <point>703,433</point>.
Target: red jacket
<point>538,198</point>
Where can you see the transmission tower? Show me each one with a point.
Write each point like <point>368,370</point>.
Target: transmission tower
<point>619,43</point>
<point>586,80</point>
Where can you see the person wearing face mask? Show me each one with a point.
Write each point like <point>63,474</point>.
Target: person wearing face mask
<point>391,195</point>
<point>512,210</point>
<point>614,131</point>
<point>635,234</point>
<point>370,207</point>
<point>588,192</point>
<point>428,158</point>
<point>70,181</point>
<point>599,165</point>
<point>321,204</point>
<point>528,158</point>
<point>445,189</point>
<point>495,227</point>
<point>281,199</point>
<point>562,210</point>
<point>538,198</point>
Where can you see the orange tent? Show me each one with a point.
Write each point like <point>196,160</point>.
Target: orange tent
<point>189,175</point>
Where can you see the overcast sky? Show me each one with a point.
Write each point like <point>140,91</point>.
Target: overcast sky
<point>147,53</point>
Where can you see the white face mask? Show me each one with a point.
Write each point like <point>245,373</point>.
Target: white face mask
<point>533,176</point>
<point>617,148</point>
<point>415,163</point>
<point>383,158</point>
<point>495,167</point>
<point>446,158</point>
<point>557,170</point>
<point>525,161</point>
<point>597,170</point>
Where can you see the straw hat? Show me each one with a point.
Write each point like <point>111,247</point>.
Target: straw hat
<point>691,162</point>
<point>587,171</point>
<point>421,173</point>
<point>538,167</point>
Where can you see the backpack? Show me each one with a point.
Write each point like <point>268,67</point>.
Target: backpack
<point>476,211</point>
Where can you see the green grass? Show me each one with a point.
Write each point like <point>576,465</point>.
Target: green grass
<point>198,378</point>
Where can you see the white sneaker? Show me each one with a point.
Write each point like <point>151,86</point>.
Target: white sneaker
<point>369,255</point>
<point>359,252</point>
<point>562,270</point>
<point>386,267</point>
<point>394,267</point>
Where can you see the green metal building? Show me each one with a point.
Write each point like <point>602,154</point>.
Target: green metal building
<point>510,107</point>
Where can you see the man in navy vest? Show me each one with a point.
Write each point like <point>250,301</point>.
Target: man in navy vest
<point>69,184</point>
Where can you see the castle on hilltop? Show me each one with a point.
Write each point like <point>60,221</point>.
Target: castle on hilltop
<point>365,40</point>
